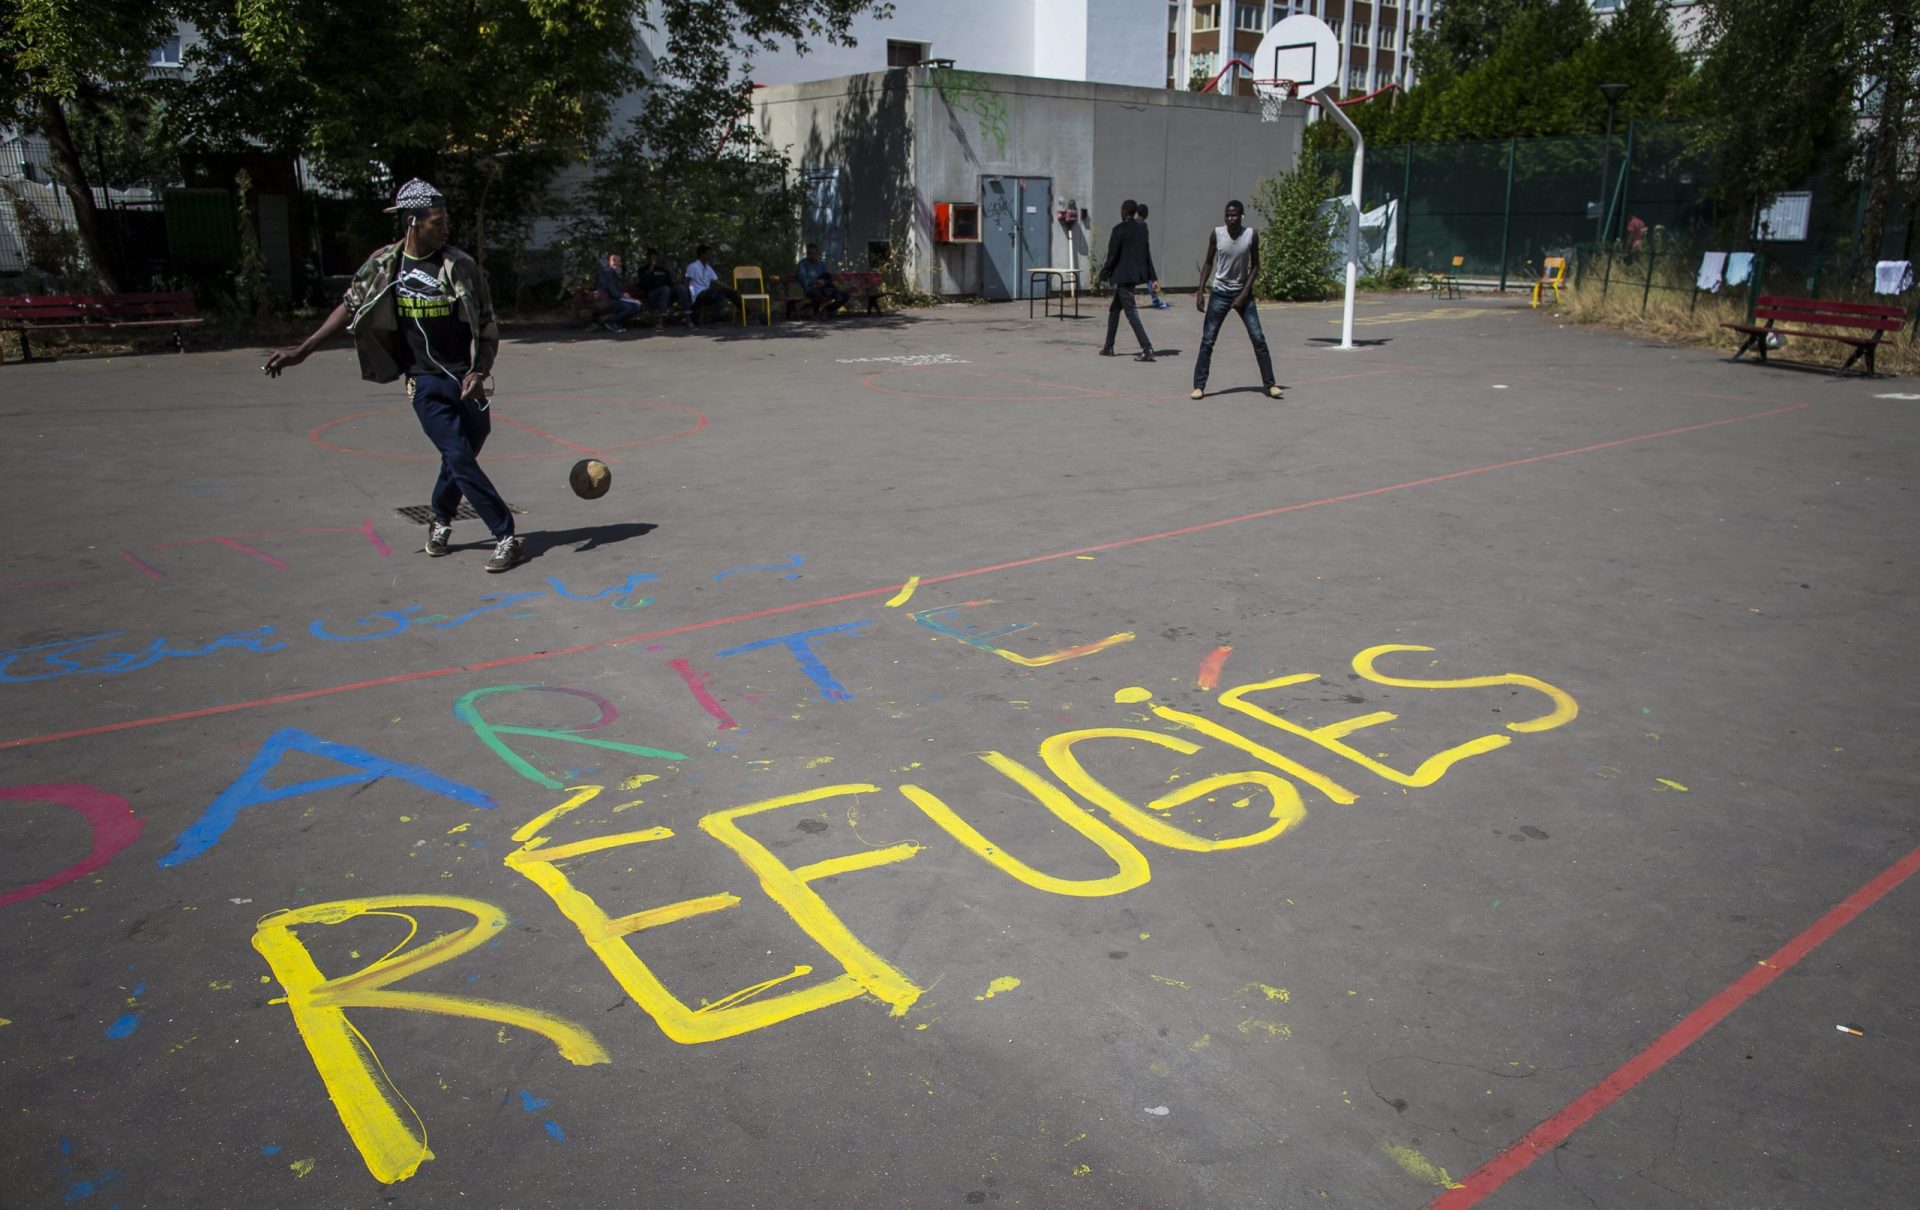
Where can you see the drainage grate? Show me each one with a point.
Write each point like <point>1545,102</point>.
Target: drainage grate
<point>420,514</point>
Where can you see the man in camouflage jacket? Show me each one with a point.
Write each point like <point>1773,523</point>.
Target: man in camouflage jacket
<point>419,309</point>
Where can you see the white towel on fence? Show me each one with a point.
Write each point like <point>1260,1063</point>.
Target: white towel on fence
<point>1892,277</point>
<point>1739,268</point>
<point>1712,265</point>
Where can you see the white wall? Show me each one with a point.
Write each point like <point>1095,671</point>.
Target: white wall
<point>1099,41</point>
<point>1126,42</point>
<point>978,35</point>
<point>1059,40</point>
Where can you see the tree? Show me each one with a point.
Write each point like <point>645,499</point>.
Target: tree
<point>1296,239</point>
<point>1773,108</point>
<point>50,50</point>
<point>486,98</point>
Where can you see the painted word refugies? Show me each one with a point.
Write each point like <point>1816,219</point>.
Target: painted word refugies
<point>1262,803</point>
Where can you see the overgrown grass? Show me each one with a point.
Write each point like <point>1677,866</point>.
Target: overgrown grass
<point>1673,315</point>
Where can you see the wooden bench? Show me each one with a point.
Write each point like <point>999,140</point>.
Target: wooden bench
<point>590,307</point>
<point>864,285</point>
<point>30,313</point>
<point>1867,324</point>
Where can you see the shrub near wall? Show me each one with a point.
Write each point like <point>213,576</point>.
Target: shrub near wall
<point>1296,237</point>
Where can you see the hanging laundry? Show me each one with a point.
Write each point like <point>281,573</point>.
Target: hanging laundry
<point>1712,267</point>
<point>1892,277</point>
<point>1739,268</point>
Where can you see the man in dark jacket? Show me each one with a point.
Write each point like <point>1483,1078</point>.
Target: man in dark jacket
<point>620,306</point>
<point>1129,264</point>
<point>419,308</point>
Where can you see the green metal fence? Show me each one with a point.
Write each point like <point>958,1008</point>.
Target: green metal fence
<point>1504,205</point>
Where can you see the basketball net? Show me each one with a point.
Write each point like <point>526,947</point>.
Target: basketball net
<point>1274,95</point>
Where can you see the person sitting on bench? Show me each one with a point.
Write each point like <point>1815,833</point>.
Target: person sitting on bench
<point>621,306</point>
<point>818,284</point>
<point>703,283</point>
<point>660,291</point>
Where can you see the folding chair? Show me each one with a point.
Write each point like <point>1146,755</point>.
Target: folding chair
<point>1447,284</point>
<point>746,272</point>
<point>1553,271</point>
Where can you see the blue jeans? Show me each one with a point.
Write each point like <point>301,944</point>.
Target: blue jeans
<point>458,428</point>
<point>661,297</point>
<point>623,310</point>
<point>1219,302</point>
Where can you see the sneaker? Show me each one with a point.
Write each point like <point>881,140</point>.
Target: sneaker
<point>507,554</point>
<point>1144,355</point>
<point>1161,304</point>
<point>438,536</point>
<point>1106,352</point>
<point>1197,393</point>
<point>1274,391</point>
<point>610,325</point>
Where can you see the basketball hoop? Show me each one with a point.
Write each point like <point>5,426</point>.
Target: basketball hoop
<point>1274,95</point>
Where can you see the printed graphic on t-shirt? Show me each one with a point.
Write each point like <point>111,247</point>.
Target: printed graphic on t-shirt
<point>441,342</point>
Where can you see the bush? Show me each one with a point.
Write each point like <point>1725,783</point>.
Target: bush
<point>1296,241</point>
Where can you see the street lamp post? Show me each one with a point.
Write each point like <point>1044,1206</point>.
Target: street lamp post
<point>1613,93</point>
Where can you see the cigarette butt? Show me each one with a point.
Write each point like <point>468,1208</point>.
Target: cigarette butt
<point>1856,1031</point>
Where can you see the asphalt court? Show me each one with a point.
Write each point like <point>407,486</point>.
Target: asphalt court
<point>953,768</point>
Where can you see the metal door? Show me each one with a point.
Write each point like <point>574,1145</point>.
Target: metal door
<point>1016,232</point>
<point>825,221</point>
<point>1036,226</point>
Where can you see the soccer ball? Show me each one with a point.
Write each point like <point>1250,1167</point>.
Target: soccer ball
<point>590,478</point>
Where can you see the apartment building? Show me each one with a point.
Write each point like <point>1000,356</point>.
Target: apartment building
<point>1373,35</point>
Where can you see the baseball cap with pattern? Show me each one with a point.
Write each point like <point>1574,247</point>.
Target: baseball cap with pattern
<point>416,194</point>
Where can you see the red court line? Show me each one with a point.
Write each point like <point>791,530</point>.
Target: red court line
<point>572,445</point>
<point>885,590</point>
<point>1556,1129</point>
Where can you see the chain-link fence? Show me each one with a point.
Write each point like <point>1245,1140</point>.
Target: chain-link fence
<point>38,239</point>
<point>1505,205</point>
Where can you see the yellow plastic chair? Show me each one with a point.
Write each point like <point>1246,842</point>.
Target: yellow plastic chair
<point>753,273</point>
<point>1553,272</point>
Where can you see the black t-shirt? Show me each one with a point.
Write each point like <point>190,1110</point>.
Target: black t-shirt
<point>652,277</point>
<point>439,339</point>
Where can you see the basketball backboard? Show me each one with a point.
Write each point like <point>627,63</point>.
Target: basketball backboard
<point>1302,49</point>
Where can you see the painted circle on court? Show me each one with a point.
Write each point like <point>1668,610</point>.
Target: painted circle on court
<point>522,418</point>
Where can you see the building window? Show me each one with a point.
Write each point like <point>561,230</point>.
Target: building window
<point>1359,34</point>
<point>1206,17</point>
<point>1249,16</point>
<point>905,54</point>
<point>1173,18</point>
<point>1386,37</point>
<point>167,54</point>
<point>1356,79</point>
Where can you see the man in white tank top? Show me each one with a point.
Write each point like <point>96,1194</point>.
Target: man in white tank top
<point>1226,284</point>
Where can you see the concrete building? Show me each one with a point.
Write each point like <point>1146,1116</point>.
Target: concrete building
<point>960,176</point>
<point>1373,36</point>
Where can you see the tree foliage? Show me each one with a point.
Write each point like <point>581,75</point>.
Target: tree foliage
<point>1844,84</point>
<point>1494,69</point>
<point>488,99</point>
<point>50,50</point>
<point>1296,238</point>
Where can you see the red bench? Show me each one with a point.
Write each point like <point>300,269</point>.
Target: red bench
<point>29,313</point>
<point>864,285</point>
<point>1867,323</point>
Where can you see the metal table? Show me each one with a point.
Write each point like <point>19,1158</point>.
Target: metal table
<point>1051,280</point>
